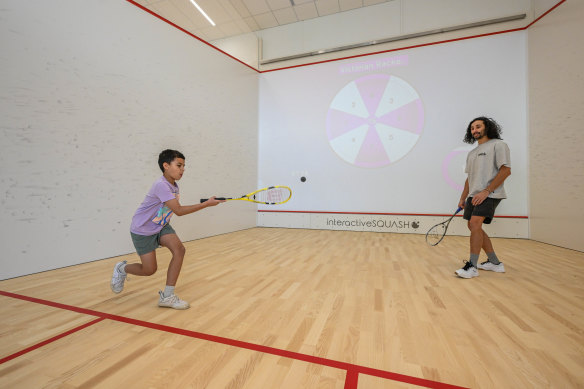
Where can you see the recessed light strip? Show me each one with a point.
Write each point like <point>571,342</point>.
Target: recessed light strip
<point>203,12</point>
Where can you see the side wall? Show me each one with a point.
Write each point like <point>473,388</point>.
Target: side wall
<point>556,121</point>
<point>87,103</point>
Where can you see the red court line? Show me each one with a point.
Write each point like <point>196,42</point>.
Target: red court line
<point>375,213</point>
<point>352,370</point>
<point>352,379</point>
<point>51,340</point>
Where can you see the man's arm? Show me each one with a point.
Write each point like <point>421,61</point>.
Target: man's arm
<point>504,172</point>
<point>464,195</point>
<point>181,210</point>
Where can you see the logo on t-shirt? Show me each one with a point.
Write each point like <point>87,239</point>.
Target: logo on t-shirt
<point>164,214</point>
<point>481,154</point>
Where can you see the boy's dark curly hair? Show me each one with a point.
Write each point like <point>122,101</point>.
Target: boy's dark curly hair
<point>168,156</point>
<point>493,129</point>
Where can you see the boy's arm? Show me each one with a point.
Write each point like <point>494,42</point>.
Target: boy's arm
<point>181,210</point>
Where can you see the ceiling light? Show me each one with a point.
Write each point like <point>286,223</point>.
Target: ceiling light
<point>203,12</point>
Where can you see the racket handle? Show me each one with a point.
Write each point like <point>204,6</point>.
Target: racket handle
<point>216,198</point>
<point>458,210</point>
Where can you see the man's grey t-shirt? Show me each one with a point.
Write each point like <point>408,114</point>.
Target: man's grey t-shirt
<point>483,164</point>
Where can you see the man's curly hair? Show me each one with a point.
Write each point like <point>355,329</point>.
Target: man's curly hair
<point>493,129</point>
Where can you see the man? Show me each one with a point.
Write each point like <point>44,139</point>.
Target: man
<point>487,167</point>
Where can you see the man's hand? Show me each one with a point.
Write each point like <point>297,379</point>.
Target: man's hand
<point>480,197</point>
<point>461,203</point>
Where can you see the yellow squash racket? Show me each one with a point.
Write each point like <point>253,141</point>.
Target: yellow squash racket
<point>271,195</point>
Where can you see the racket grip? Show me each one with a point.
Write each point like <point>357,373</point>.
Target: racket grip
<point>458,210</point>
<point>216,198</point>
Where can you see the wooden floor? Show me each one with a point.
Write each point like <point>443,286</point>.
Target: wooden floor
<point>282,308</point>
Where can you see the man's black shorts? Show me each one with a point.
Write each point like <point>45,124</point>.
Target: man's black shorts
<point>486,209</point>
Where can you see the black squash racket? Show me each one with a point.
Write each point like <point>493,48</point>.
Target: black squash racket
<point>437,233</point>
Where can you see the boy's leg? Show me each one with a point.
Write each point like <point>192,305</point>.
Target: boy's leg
<point>173,243</point>
<point>167,298</point>
<point>146,268</point>
<point>121,270</point>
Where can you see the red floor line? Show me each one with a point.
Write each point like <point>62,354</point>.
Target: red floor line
<point>51,340</point>
<point>352,379</point>
<point>352,369</point>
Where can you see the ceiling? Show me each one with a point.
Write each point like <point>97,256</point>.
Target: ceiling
<point>236,17</point>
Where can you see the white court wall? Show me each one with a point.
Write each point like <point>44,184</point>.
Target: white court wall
<point>385,20</point>
<point>91,92</point>
<point>388,20</point>
<point>383,135</point>
<point>556,121</point>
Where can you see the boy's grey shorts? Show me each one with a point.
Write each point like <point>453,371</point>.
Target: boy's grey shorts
<point>145,244</point>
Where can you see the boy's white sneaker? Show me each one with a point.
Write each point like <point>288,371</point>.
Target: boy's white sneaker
<point>118,279</point>
<point>172,301</point>
<point>500,268</point>
<point>467,271</point>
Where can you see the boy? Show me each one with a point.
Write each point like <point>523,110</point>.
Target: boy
<point>150,229</point>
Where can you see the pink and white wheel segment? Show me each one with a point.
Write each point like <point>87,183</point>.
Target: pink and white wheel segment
<point>375,120</point>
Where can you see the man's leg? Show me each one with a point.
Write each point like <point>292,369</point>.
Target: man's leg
<point>492,263</point>
<point>477,238</point>
<point>487,245</point>
<point>469,270</point>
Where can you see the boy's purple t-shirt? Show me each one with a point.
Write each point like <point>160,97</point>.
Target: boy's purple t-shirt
<point>152,215</point>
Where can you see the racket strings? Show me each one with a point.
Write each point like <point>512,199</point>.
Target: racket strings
<point>272,195</point>
<point>436,233</point>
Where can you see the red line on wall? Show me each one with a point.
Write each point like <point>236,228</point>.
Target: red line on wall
<point>348,57</point>
<point>396,49</point>
<point>350,368</point>
<point>383,214</point>
<point>190,34</point>
<point>544,14</point>
<point>51,340</point>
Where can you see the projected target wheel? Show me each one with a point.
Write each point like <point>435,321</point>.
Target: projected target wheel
<point>375,120</point>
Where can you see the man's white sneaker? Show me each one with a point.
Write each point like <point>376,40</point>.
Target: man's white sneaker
<point>500,268</point>
<point>172,301</point>
<point>118,279</point>
<point>467,271</point>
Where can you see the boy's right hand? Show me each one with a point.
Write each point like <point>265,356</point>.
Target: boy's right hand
<point>213,202</point>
